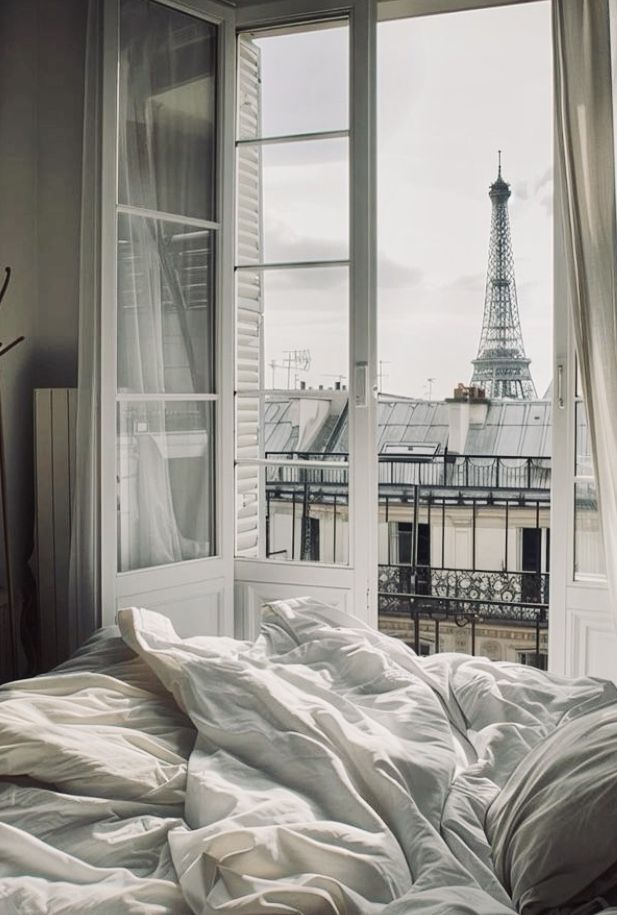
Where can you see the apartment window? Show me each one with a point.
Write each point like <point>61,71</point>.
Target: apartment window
<point>306,362</point>
<point>167,231</point>
<point>465,358</point>
<point>292,293</point>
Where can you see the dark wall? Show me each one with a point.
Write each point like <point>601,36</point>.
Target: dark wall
<point>42,48</point>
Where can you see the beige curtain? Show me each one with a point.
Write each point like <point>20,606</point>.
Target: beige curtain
<point>585,37</point>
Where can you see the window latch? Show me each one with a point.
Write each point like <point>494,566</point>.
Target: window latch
<point>560,394</point>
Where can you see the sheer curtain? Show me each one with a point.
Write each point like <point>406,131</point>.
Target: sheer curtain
<point>164,168</point>
<point>165,469</point>
<point>585,41</point>
<point>84,608</point>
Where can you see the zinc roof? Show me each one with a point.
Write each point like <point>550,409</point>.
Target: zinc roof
<point>508,428</point>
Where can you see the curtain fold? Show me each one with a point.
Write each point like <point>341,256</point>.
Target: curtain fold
<point>585,36</point>
<point>84,608</point>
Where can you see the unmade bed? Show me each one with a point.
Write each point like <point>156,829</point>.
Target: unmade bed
<point>322,770</point>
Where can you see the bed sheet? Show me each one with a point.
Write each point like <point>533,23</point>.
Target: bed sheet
<point>93,763</point>
<point>322,770</point>
<point>336,773</point>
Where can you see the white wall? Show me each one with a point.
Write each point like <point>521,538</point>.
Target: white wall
<point>41,97</point>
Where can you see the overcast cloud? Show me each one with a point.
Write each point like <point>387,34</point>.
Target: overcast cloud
<point>452,90</point>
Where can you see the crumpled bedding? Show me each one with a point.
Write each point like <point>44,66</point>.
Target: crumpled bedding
<point>93,763</point>
<point>333,772</point>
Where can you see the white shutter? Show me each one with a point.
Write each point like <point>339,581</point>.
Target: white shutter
<point>249,366</point>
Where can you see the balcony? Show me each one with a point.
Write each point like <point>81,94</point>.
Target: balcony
<point>462,598</point>
<point>433,593</point>
<point>442,471</point>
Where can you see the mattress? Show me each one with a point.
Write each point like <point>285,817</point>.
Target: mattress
<point>323,769</point>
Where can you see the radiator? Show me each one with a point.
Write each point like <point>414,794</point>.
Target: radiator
<point>55,411</point>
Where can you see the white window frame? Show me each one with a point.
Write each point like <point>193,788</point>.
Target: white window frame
<point>353,586</point>
<point>182,584</point>
<point>581,636</point>
<point>578,618</point>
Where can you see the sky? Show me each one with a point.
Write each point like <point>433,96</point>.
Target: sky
<point>453,89</point>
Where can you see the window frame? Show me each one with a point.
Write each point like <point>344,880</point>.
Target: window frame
<point>353,585</point>
<point>217,567</point>
<point>567,594</point>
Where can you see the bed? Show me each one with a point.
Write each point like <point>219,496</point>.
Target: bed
<point>323,769</point>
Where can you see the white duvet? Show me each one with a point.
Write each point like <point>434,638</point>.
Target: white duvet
<point>334,773</point>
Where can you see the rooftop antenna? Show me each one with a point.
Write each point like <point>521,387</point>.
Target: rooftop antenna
<point>499,160</point>
<point>298,359</point>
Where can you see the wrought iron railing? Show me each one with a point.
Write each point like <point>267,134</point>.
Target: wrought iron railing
<point>440,471</point>
<point>420,593</point>
<point>309,486</point>
<point>477,587</point>
<point>465,598</point>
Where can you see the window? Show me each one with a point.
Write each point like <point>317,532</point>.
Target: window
<point>465,356</point>
<point>167,228</point>
<point>462,470</point>
<point>292,293</point>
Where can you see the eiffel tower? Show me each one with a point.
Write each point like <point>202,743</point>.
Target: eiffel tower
<point>501,367</point>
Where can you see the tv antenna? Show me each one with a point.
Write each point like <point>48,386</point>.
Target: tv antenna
<point>297,359</point>
<point>429,387</point>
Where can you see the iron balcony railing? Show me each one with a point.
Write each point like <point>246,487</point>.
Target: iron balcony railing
<point>421,593</point>
<point>492,591</point>
<point>439,471</point>
<point>466,598</point>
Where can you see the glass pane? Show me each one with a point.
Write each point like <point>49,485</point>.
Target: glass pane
<point>166,492</point>
<point>465,361</point>
<point>167,110</point>
<point>588,546</point>
<point>312,97</point>
<point>584,461</point>
<point>293,329</point>
<point>305,512</point>
<point>301,192</point>
<point>437,160</point>
<point>165,307</point>
<point>288,424</point>
<point>579,379</point>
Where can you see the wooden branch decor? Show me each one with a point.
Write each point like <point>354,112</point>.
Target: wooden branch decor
<point>3,491</point>
<point>5,285</point>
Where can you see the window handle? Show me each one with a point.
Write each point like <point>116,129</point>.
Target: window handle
<point>361,385</point>
<point>560,395</point>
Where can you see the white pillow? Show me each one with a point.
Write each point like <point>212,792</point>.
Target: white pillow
<point>553,827</point>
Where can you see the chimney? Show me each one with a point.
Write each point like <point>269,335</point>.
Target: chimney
<point>468,406</point>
